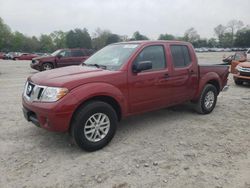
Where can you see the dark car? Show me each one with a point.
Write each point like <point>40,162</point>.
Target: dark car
<point>61,58</point>
<point>2,55</point>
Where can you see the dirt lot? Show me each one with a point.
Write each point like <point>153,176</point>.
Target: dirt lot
<point>168,148</point>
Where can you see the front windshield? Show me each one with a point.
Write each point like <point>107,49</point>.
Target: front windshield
<point>56,53</point>
<point>111,57</point>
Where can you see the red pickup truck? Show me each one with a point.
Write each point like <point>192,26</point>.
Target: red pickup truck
<point>120,80</point>
<point>61,58</point>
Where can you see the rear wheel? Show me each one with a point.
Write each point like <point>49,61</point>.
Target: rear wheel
<point>47,66</point>
<point>94,125</point>
<point>207,100</point>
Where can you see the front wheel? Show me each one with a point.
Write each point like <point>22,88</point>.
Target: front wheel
<point>207,100</point>
<point>47,66</point>
<point>94,125</point>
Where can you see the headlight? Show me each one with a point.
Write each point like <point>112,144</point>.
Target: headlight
<point>52,94</point>
<point>239,68</point>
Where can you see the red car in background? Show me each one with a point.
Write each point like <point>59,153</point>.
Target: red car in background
<point>25,56</point>
<point>1,55</point>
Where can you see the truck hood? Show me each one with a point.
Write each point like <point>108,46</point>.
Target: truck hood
<point>71,76</point>
<point>245,64</point>
<point>44,58</point>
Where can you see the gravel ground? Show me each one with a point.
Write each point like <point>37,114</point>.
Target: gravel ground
<point>172,147</point>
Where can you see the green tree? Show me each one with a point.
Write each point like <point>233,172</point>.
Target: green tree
<point>242,38</point>
<point>138,36</point>
<point>102,38</point>
<point>18,41</point>
<point>113,38</point>
<point>5,36</point>
<point>200,43</point>
<point>226,40</point>
<point>191,35</point>
<point>166,37</point>
<point>78,38</point>
<point>212,43</point>
<point>59,39</point>
<point>46,43</point>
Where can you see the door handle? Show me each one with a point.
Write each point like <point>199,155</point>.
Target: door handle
<point>191,72</point>
<point>166,76</point>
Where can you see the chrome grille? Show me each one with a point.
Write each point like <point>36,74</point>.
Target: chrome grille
<point>33,92</point>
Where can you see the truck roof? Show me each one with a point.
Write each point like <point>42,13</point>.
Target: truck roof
<point>154,41</point>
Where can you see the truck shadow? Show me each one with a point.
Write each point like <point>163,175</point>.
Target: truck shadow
<point>62,142</point>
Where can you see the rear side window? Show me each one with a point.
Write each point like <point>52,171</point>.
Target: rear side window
<point>180,55</point>
<point>155,54</point>
<point>77,53</point>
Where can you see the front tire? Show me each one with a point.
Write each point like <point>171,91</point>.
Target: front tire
<point>207,100</point>
<point>47,66</point>
<point>94,125</point>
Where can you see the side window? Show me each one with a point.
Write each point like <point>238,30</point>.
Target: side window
<point>155,54</point>
<point>181,56</point>
<point>65,53</point>
<point>77,53</point>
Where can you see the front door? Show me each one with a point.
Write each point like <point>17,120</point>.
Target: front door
<point>148,89</point>
<point>65,58</point>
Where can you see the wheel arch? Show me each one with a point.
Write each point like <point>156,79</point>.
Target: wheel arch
<point>104,98</point>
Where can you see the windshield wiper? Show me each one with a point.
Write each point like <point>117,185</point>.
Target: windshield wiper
<point>96,65</point>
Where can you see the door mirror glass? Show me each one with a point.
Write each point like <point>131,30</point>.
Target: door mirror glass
<point>142,66</point>
<point>59,56</point>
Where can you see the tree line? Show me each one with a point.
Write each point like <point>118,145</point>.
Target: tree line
<point>234,34</point>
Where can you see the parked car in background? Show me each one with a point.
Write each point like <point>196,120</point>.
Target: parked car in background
<point>238,56</point>
<point>120,80</point>
<point>248,54</point>
<point>10,55</point>
<point>61,58</point>
<point>25,56</point>
<point>241,72</point>
<point>2,55</point>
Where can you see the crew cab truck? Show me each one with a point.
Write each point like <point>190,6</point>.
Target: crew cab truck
<point>61,58</point>
<point>120,80</point>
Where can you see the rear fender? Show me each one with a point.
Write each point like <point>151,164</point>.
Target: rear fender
<point>205,79</point>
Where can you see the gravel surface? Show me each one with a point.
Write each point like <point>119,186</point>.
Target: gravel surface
<point>173,147</point>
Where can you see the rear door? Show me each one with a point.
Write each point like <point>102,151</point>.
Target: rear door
<point>148,89</point>
<point>184,78</point>
<point>78,56</point>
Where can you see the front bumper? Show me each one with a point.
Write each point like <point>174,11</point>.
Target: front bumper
<point>240,77</point>
<point>35,66</point>
<point>50,116</point>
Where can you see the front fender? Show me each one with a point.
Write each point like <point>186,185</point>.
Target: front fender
<point>87,91</point>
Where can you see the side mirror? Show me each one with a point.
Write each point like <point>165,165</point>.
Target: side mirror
<point>59,56</point>
<point>142,66</point>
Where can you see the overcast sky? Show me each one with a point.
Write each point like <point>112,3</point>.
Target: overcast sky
<point>123,17</point>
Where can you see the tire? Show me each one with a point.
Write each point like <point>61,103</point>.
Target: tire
<point>207,100</point>
<point>47,66</point>
<point>87,133</point>
<point>238,82</point>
